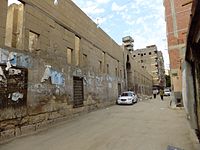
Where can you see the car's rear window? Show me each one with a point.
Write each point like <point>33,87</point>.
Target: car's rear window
<point>126,94</point>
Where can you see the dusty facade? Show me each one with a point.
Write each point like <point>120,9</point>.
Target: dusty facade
<point>191,70</point>
<point>177,22</point>
<point>138,78</point>
<point>151,59</point>
<point>53,67</point>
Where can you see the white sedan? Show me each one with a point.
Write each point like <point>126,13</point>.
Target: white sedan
<point>128,97</point>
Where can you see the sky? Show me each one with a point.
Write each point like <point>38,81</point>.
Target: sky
<point>142,19</point>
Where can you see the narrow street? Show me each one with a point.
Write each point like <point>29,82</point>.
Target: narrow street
<point>146,125</point>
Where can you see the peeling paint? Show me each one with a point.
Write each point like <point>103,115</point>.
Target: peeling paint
<point>14,71</point>
<point>57,78</point>
<point>24,61</point>
<point>14,59</point>
<point>16,96</point>
<point>3,56</point>
<point>47,73</point>
<point>2,75</point>
<point>77,72</point>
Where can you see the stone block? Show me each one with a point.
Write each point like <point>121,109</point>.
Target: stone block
<point>27,129</point>
<point>17,131</point>
<point>38,118</point>
<point>54,115</point>
<point>7,134</point>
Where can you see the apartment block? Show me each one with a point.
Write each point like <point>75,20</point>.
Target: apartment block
<point>177,14</point>
<point>151,60</point>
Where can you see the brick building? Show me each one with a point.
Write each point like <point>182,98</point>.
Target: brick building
<point>52,67</point>
<point>177,15</point>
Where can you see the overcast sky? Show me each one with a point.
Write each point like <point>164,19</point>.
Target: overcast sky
<point>141,19</point>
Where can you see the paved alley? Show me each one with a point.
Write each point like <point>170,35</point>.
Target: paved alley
<point>146,125</point>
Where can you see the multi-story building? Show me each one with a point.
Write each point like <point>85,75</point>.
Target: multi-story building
<point>128,43</point>
<point>138,79</point>
<point>177,13</point>
<point>161,68</point>
<point>151,60</point>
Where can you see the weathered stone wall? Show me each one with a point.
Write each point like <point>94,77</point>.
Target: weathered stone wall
<point>138,78</point>
<point>46,36</point>
<point>3,15</point>
<point>47,102</point>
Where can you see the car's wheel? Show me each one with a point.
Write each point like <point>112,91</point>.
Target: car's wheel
<point>132,102</point>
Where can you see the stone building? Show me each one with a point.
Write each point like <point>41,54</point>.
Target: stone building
<point>177,21</point>
<point>161,68</point>
<point>151,60</point>
<point>52,67</point>
<point>128,43</point>
<point>139,79</point>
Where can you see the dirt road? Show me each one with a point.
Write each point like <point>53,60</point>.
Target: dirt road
<point>147,125</point>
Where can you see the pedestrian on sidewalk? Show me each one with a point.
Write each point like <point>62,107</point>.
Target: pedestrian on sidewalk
<point>161,94</point>
<point>155,92</point>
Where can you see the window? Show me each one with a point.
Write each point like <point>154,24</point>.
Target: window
<point>69,56</point>
<point>77,50</point>
<point>149,53</point>
<point>144,53</point>
<point>100,67</point>
<point>107,68</point>
<point>33,41</point>
<point>142,61</point>
<point>84,60</point>
<point>138,53</point>
<point>116,72</point>
<point>133,55</point>
<point>14,24</point>
<point>141,54</point>
<point>142,66</point>
<point>120,73</point>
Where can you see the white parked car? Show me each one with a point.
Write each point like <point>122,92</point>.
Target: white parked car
<point>167,92</point>
<point>127,97</point>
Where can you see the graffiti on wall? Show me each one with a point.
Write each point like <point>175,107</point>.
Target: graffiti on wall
<point>13,78</point>
<point>56,77</point>
<point>14,59</point>
<point>13,86</point>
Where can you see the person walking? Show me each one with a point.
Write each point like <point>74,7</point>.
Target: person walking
<point>154,93</point>
<point>161,94</point>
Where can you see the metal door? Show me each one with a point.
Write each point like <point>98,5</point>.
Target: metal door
<point>78,92</point>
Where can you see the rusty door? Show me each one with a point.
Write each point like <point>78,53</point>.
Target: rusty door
<point>78,92</point>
